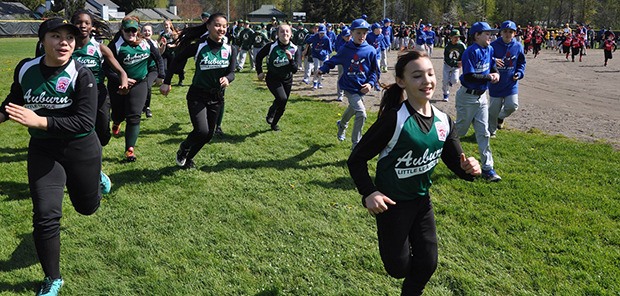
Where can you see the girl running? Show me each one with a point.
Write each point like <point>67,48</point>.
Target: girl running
<point>608,46</point>
<point>53,96</point>
<point>410,136</point>
<point>215,70</point>
<point>281,65</point>
<point>147,32</point>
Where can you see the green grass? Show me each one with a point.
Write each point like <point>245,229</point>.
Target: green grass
<point>276,213</point>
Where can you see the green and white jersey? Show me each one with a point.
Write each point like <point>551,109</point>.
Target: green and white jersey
<point>134,59</point>
<point>277,61</point>
<point>211,66</point>
<point>453,52</point>
<point>405,165</point>
<point>90,56</point>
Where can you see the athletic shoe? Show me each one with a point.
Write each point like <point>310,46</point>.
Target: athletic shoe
<point>130,156</point>
<point>116,129</point>
<point>218,131</point>
<point>494,134</point>
<point>275,127</point>
<point>320,85</point>
<point>500,123</point>
<point>306,81</point>
<point>315,85</point>
<point>148,112</point>
<point>446,98</point>
<point>182,156</point>
<point>189,164</point>
<point>340,99</point>
<point>50,287</point>
<point>341,131</point>
<point>269,119</point>
<point>105,183</point>
<point>491,175</point>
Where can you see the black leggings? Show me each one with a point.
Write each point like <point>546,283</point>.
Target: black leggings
<point>52,164</point>
<point>150,79</point>
<point>408,243</point>
<point>281,90</point>
<point>102,124</point>
<point>129,107</point>
<point>203,112</point>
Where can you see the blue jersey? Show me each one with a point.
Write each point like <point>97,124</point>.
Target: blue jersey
<point>514,63</point>
<point>477,60</point>
<point>320,47</point>
<point>430,37</point>
<point>388,35</point>
<point>420,37</point>
<point>376,41</point>
<point>359,64</point>
<point>339,42</point>
<point>332,37</point>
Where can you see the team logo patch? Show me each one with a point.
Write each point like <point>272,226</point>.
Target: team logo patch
<point>62,84</point>
<point>143,45</point>
<point>90,50</point>
<point>224,54</point>
<point>442,131</point>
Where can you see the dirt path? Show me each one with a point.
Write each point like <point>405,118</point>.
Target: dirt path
<point>578,100</point>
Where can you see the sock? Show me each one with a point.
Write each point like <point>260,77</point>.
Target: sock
<point>131,135</point>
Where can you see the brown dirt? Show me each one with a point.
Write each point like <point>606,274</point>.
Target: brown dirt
<point>579,100</point>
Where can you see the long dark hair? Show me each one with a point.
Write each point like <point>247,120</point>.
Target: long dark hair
<point>190,34</point>
<point>101,28</point>
<point>394,95</point>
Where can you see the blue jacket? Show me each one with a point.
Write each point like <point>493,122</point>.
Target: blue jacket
<point>321,47</point>
<point>376,41</point>
<point>514,63</point>
<point>359,63</point>
<point>477,60</point>
<point>420,37</point>
<point>388,35</point>
<point>430,37</point>
<point>339,42</point>
<point>332,37</point>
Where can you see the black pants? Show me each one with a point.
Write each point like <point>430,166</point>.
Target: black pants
<point>52,164</point>
<point>281,90</point>
<point>150,79</point>
<point>203,112</point>
<point>102,123</point>
<point>408,243</point>
<point>129,107</point>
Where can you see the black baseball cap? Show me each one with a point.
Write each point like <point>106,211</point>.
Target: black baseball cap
<point>54,24</point>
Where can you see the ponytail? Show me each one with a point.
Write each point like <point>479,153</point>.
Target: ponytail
<point>393,96</point>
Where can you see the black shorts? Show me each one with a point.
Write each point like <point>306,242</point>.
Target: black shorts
<point>607,54</point>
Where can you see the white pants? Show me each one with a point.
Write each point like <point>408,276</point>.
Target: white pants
<point>308,65</point>
<point>241,61</point>
<point>473,109</point>
<point>429,49</point>
<point>450,78</point>
<point>501,107</point>
<point>384,63</point>
<point>253,56</point>
<point>317,64</point>
<point>356,108</point>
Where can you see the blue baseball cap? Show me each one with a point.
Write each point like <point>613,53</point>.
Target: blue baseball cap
<point>360,24</point>
<point>430,25</point>
<point>479,27</point>
<point>422,26</point>
<point>387,20</point>
<point>322,29</point>
<point>345,32</point>
<point>375,26</point>
<point>508,25</point>
<point>364,16</point>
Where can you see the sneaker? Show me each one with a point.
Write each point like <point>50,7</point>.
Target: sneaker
<point>320,85</point>
<point>500,123</point>
<point>189,164</point>
<point>116,129</point>
<point>306,81</point>
<point>340,99</point>
<point>50,287</point>
<point>130,156</point>
<point>491,175</point>
<point>315,85</point>
<point>219,131</point>
<point>494,135</point>
<point>182,157</point>
<point>269,119</point>
<point>180,83</point>
<point>105,183</point>
<point>275,127</point>
<point>148,112</point>
<point>446,98</point>
<point>341,130</point>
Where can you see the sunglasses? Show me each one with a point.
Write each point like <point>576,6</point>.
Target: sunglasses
<point>130,30</point>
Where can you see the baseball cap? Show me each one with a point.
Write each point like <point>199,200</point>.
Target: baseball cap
<point>322,29</point>
<point>54,24</point>
<point>257,27</point>
<point>205,15</point>
<point>300,24</point>
<point>360,24</point>
<point>130,23</point>
<point>479,27</point>
<point>429,25</point>
<point>387,20</point>
<point>508,25</point>
<point>375,26</point>
<point>345,32</point>
<point>455,33</point>
<point>364,16</point>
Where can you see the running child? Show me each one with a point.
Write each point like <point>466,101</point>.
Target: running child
<point>321,48</point>
<point>577,46</point>
<point>607,47</point>
<point>359,61</point>
<point>452,63</point>
<point>410,136</point>
<point>342,39</point>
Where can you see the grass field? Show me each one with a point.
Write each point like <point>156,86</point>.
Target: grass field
<point>276,213</point>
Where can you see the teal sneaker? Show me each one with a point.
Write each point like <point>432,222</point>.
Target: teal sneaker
<point>50,287</point>
<point>106,184</point>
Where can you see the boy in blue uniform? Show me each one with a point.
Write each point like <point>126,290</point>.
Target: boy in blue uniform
<point>471,101</point>
<point>511,66</point>
<point>321,48</point>
<point>359,60</point>
<point>430,39</point>
<point>388,35</point>
<point>376,40</point>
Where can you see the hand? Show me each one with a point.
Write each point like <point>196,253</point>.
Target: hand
<point>366,87</point>
<point>376,203</point>
<point>289,55</point>
<point>261,76</point>
<point>26,117</point>
<point>459,64</point>
<point>164,89</point>
<point>131,82</point>
<point>123,89</point>
<point>499,62</point>
<point>470,165</point>
<point>494,77</point>
<point>515,77</point>
<point>224,82</point>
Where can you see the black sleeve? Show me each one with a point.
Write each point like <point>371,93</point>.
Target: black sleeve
<point>161,71</point>
<point>180,58</point>
<point>16,94</point>
<point>471,77</point>
<point>109,72</point>
<point>262,53</point>
<point>451,154</point>
<point>374,140</point>
<point>293,63</point>
<point>85,112</point>
<point>231,68</point>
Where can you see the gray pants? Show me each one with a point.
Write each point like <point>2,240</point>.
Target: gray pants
<point>450,78</point>
<point>384,63</point>
<point>501,107</point>
<point>317,64</point>
<point>253,57</point>
<point>308,65</point>
<point>474,109</point>
<point>241,60</point>
<point>340,72</point>
<point>356,107</point>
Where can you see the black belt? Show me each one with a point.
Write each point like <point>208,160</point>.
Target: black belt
<point>474,92</point>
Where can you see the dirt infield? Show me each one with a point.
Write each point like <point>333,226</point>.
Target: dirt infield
<point>579,100</point>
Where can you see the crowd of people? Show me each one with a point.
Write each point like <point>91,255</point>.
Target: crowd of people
<point>61,97</point>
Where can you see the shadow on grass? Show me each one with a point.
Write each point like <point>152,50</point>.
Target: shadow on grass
<point>342,183</point>
<point>15,154</point>
<point>141,176</point>
<point>234,139</point>
<point>15,190</point>
<point>173,129</point>
<point>23,256</point>
<point>292,162</point>
<point>19,288</point>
